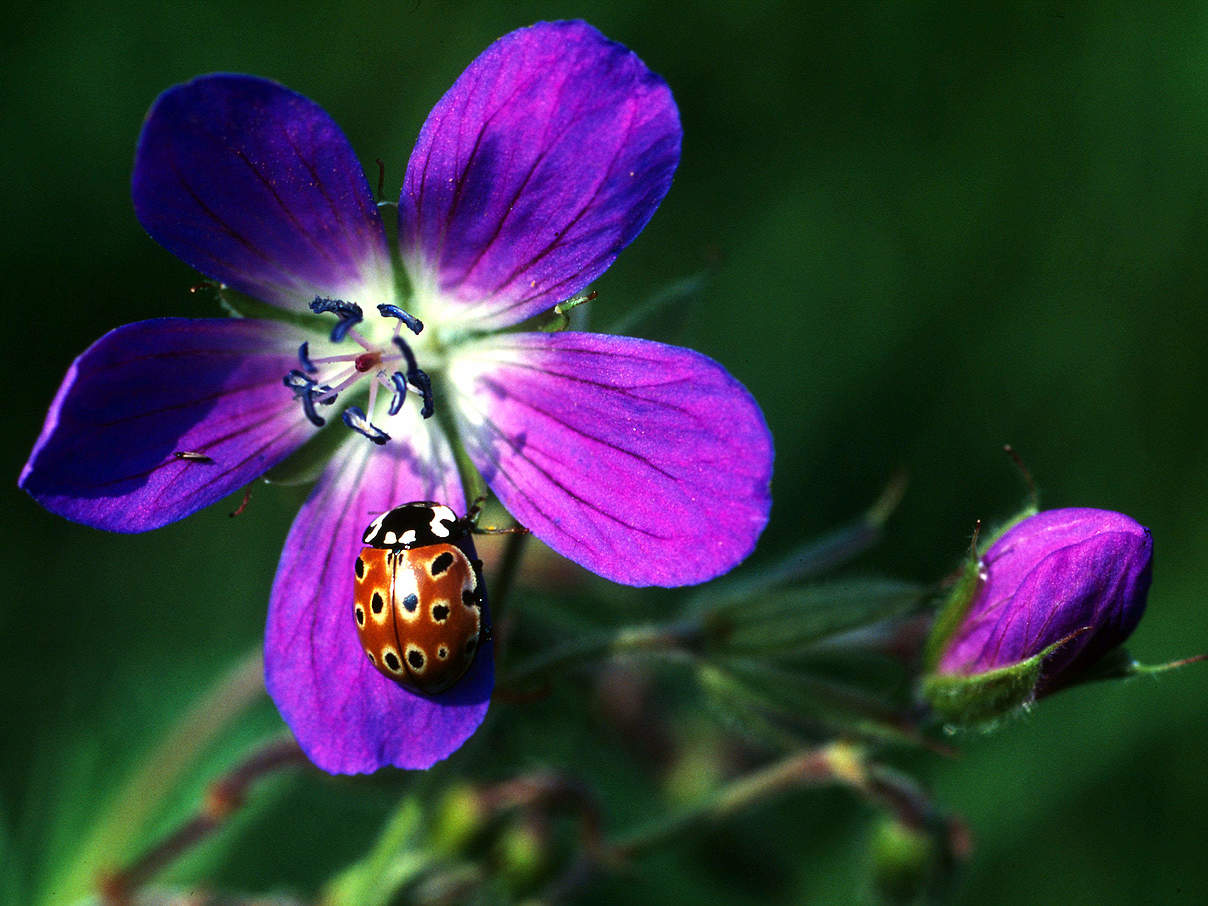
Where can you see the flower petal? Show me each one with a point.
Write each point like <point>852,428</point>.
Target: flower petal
<point>348,718</point>
<point>109,454</point>
<point>545,159</point>
<point>648,464</point>
<point>256,186</point>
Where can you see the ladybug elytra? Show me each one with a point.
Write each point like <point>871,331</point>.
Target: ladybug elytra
<point>418,602</point>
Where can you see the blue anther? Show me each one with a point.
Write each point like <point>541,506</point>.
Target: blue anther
<point>412,365</point>
<point>423,384</point>
<point>416,378</point>
<point>355,419</point>
<point>305,389</point>
<point>297,380</point>
<point>304,357</point>
<point>349,313</point>
<point>400,391</point>
<point>414,324</point>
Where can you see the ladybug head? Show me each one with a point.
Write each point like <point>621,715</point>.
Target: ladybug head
<point>414,525</point>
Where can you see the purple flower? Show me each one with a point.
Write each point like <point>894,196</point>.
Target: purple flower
<point>648,464</point>
<point>1078,577</point>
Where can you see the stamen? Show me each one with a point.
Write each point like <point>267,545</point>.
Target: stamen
<point>400,392</point>
<point>412,365</point>
<point>349,313</point>
<point>306,390</point>
<point>304,357</point>
<point>423,384</point>
<point>373,391</point>
<point>417,378</point>
<point>414,324</point>
<point>355,419</point>
<point>343,380</point>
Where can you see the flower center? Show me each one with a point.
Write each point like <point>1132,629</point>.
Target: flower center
<point>312,388</point>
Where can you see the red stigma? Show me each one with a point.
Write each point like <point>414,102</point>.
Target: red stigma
<point>367,361</point>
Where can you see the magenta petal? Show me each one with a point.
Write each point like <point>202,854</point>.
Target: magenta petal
<point>545,159</point>
<point>348,718</point>
<point>109,452</point>
<point>256,186</point>
<point>647,464</point>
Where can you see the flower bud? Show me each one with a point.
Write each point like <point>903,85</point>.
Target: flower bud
<point>1049,598</point>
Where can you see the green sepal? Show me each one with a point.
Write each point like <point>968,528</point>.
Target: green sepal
<point>784,621</point>
<point>970,700</point>
<point>665,311</point>
<point>952,613</point>
<point>1118,664</point>
<point>237,305</point>
<point>306,464</point>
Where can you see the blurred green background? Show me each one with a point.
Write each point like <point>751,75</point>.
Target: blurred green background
<point>930,230</point>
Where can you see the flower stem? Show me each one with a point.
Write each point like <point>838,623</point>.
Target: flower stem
<point>629,639</point>
<point>505,573</point>
<point>222,799</point>
<point>834,762</point>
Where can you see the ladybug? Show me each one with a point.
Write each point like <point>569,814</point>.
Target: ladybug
<point>418,601</point>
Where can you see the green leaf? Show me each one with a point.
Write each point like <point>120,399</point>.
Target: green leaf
<point>787,706</point>
<point>790,620</point>
<point>237,305</point>
<point>809,560</point>
<point>397,858</point>
<point>664,311</point>
<point>306,464</point>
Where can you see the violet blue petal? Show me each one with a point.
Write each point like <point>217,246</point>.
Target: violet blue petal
<point>347,717</point>
<point>160,418</point>
<point>648,464</point>
<point>256,186</point>
<point>1048,577</point>
<point>545,159</point>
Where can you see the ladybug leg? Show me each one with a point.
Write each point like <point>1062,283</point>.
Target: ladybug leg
<point>471,521</point>
<point>475,510</point>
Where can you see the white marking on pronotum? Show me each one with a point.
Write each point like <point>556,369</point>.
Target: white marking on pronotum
<point>374,528</point>
<point>390,538</point>
<point>408,537</point>
<point>441,517</point>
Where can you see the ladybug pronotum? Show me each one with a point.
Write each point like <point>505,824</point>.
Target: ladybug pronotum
<point>418,603</point>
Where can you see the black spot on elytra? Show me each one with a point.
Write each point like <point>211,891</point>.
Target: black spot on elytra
<point>377,604</point>
<point>391,660</point>
<point>441,563</point>
<point>440,613</point>
<point>442,652</point>
<point>411,602</point>
<point>372,659</point>
<point>360,568</point>
<point>360,617</point>
<point>469,597</point>
<point>415,659</point>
